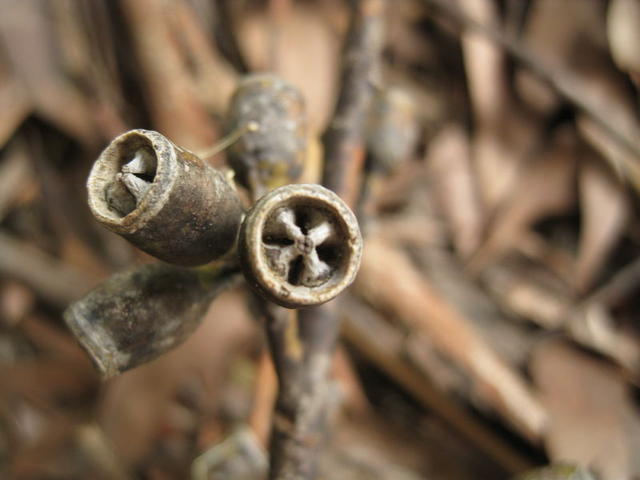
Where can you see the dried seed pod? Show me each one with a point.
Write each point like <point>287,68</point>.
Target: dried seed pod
<point>392,129</point>
<point>300,245</point>
<point>136,316</point>
<point>164,199</point>
<point>271,154</point>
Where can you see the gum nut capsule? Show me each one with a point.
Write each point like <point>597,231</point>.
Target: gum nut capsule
<point>164,199</point>
<point>392,129</point>
<point>271,153</point>
<point>137,315</point>
<point>300,246</point>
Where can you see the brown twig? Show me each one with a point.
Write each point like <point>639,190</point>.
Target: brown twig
<point>389,281</point>
<point>48,276</point>
<point>300,343</point>
<point>209,68</point>
<point>344,138</point>
<point>375,340</point>
<point>279,12</point>
<point>621,285</point>
<point>303,347</point>
<point>15,107</point>
<point>226,38</point>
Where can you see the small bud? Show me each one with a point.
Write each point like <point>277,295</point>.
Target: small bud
<point>392,129</point>
<point>164,199</point>
<point>300,245</point>
<point>271,151</point>
<point>136,316</point>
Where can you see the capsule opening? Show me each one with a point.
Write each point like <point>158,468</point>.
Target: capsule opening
<point>128,168</point>
<point>307,250</point>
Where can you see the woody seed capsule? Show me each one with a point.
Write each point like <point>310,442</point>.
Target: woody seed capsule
<point>136,316</point>
<point>164,199</point>
<point>300,245</point>
<point>272,153</point>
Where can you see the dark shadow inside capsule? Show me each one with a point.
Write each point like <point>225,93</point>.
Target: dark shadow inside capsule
<point>303,219</point>
<point>146,177</point>
<point>295,271</point>
<point>329,254</point>
<point>277,240</point>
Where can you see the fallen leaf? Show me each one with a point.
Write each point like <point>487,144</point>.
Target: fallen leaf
<point>544,187</point>
<point>592,419</point>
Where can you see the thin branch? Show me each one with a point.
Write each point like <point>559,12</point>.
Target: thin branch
<point>344,138</point>
<point>47,275</point>
<point>298,428</point>
<point>303,345</point>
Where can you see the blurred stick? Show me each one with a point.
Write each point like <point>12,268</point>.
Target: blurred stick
<point>620,286</point>
<point>389,281</point>
<point>15,176</point>
<point>263,396</point>
<point>15,107</point>
<point>485,65</point>
<point>560,81</point>
<point>209,68</point>
<point>343,141</point>
<point>226,37</point>
<point>279,13</point>
<point>375,341</point>
<point>169,89</point>
<point>48,276</point>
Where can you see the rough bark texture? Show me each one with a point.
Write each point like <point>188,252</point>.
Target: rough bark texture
<point>302,344</point>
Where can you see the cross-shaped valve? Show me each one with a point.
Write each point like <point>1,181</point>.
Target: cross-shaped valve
<point>294,249</point>
<point>300,245</point>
